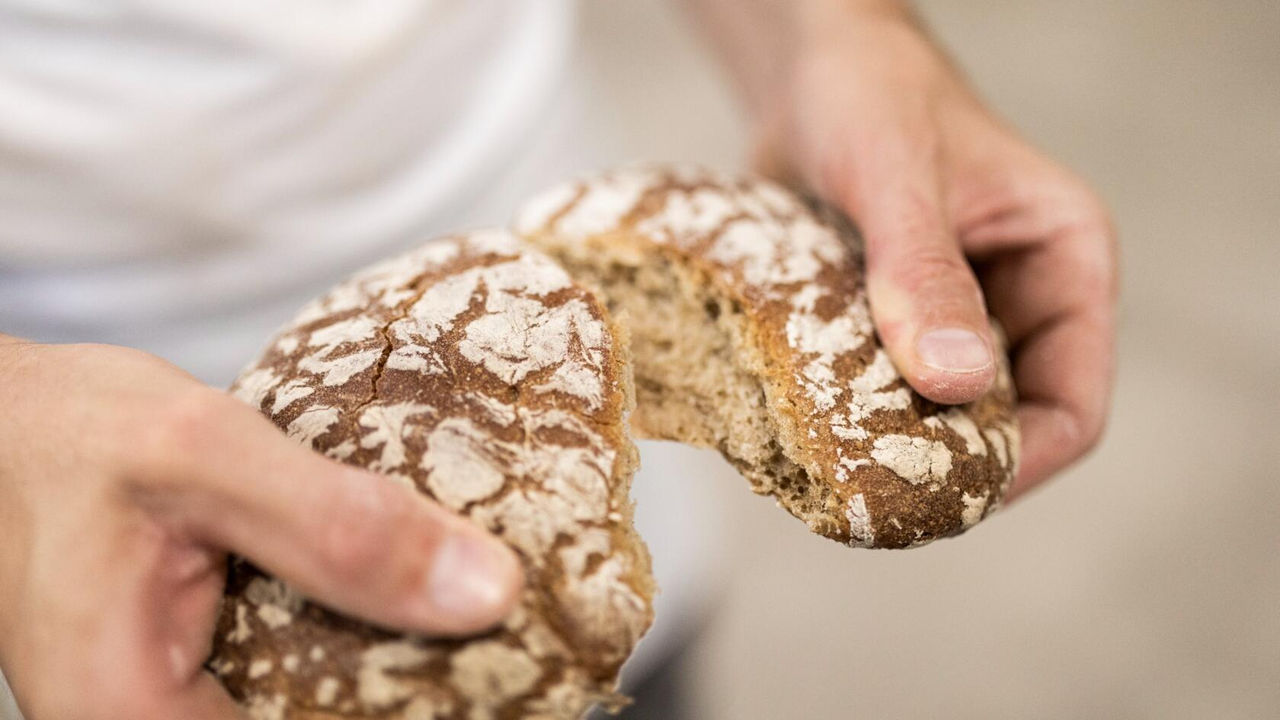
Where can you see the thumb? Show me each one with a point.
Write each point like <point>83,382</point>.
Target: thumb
<point>351,539</point>
<point>925,300</point>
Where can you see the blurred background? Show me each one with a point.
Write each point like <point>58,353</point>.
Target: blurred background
<point>1144,582</point>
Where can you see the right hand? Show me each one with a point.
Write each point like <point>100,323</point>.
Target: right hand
<point>124,483</point>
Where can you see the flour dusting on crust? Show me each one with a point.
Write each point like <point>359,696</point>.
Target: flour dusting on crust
<point>475,370</point>
<point>795,269</point>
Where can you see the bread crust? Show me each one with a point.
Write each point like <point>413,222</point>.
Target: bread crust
<point>477,372</point>
<point>888,468</point>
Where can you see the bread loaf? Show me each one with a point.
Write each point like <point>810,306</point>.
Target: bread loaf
<point>750,332</point>
<point>477,372</point>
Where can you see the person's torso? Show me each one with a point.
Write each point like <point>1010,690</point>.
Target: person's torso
<point>162,160</point>
<point>181,176</point>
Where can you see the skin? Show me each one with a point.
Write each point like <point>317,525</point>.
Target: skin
<point>960,216</point>
<point>124,482</point>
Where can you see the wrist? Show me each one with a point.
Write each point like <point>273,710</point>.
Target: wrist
<point>863,36</point>
<point>762,41</point>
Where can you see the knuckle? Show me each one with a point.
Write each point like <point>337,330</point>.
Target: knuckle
<point>1088,245</point>
<point>1092,207</point>
<point>941,278</point>
<point>1099,228</point>
<point>352,544</point>
<point>176,429</point>
<point>1081,431</point>
<point>1092,217</point>
<point>366,534</point>
<point>1093,259</point>
<point>914,216</point>
<point>1092,428</point>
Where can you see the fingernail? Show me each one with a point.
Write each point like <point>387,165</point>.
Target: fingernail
<point>953,350</point>
<point>471,577</point>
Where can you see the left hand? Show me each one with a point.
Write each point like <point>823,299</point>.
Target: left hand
<point>953,206</point>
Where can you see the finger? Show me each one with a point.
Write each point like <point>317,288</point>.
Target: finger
<point>768,159</point>
<point>926,302</point>
<point>1056,301</point>
<point>1063,375</point>
<point>351,539</point>
<point>136,670</point>
<point>201,699</point>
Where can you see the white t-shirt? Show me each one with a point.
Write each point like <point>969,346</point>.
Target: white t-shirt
<point>180,176</point>
<point>164,160</point>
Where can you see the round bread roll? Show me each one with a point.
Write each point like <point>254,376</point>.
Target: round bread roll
<point>750,333</point>
<point>477,372</point>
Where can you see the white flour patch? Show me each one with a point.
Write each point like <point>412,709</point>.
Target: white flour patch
<point>845,465</point>
<point>494,409</point>
<point>287,344</point>
<point>327,691</point>
<point>312,423</point>
<point>522,335</point>
<point>387,427</point>
<point>808,296</point>
<point>602,585</point>
<point>529,519</point>
<point>339,370</point>
<point>1010,432</point>
<point>252,387</point>
<point>289,393</point>
<point>996,438</point>
<point>491,670</point>
<point>780,202</point>
<point>358,329</point>
<point>462,463</point>
<point>808,334</point>
<point>877,375</point>
<point>376,686</point>
<point>913,459</point>
<point>686,217</point>
<point>860,532</point>
<point>274,616</point>
<point>974,507</point>
<point>605,204</point>
<point>967,429</point>
<point>536,213</point>
<point>578,380</point>
<point>495,242</point>
<point>262,707</point>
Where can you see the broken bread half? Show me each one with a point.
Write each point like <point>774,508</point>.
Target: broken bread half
<point>477,372</point>
<point>750,332</point>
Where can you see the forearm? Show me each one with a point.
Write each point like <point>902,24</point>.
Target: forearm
<point>760,40</point>
<point>14,503</point>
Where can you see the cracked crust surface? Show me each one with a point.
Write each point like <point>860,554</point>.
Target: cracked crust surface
<point>476,371</point>
<point>751,333</point>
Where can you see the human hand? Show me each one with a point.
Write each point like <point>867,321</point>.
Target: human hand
<point>124,483</point>
<point>872,116</point>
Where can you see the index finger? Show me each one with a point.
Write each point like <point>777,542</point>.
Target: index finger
<point>350,538</point>
<point>1056,300</point>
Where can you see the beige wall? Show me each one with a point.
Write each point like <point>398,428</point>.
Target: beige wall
<point>1146,582</point>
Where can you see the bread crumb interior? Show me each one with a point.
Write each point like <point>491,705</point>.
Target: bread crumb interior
<point>694,376</point>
